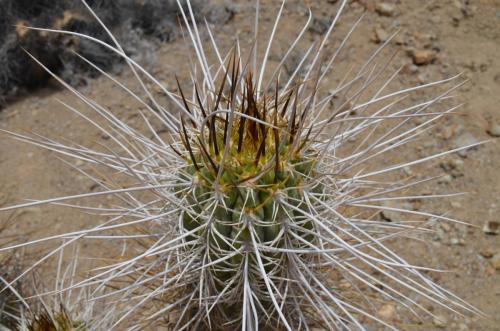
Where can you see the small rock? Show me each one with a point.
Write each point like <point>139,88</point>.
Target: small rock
<point>218,13</point>
<point>445,226</point>
<point>458,4</point>
<point>385,9</point>
<point>424,40</point>
<point>380,35</point>
<point>496,79</point>
<point>489,270</point>
<point>494,129</point>
<point>471,65</point>
<point>491,227</point>
<point>393,215</point>
<point>409,68</point>
<point>399,39</point>
<point>447,132</point>
<point>446,179</point>
<point>423,56</point>
<point>423,78</point>
<point>487,253</point>
<point>407,171</point>
<point>440,321</point>
<point>456,164</point>
<point>495,261</point>
<point>238,8</point>
<point>387,312</point>
<point>22,29</point>
<point>456,204</point>
<point>454,167</point>
<point>457,242</point>
<point>320,25</point>
<point>463,140</point>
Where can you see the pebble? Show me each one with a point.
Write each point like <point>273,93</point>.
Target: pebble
<point>395,216</point>
<point>447,132</point>
<point>455,19</point>
<point>494,129</point>
<point>496,79</point>
<point>424,40</point>
<point>423,78</point>
<point>465,139</point>
<point>456,164</point>
<point>407,171</point>
<point>458,4</point>
<point>409,68</point>
<point>487,253</point>
<point>380,35</point>
<point>385,9</point>
<point>445,226</point>
<point>491,227</point>
<point>495,261</point>
<point>218,13</point>
<point>387,312</point>
<point>320,25</point>
<point>439,235</point>
<point>489,270</point>
<point>446,179</point>
<point>399,39</point>
<point>423,56</point>
<point>454,167</point>
<point>457,242</point>
<point>440,321</point>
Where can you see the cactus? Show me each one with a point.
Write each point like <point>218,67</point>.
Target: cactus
<point>9,309</point>
<point>10,264</point>
<point>54,321</point>
<point>67,310</point>
<point>261,199</point>
<point>249,196</point>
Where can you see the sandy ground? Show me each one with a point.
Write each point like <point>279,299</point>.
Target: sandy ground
<point>444,37</point>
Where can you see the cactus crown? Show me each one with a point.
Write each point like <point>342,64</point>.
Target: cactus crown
<point>55,321</point>
<point>260,135</point>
